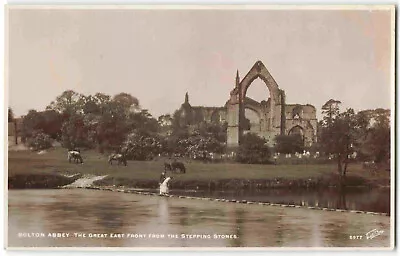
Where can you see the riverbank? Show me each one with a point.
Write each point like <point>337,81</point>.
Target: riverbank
<point>48,170</point>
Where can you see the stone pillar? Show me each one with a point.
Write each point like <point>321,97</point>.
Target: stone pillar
<point>233,116</point>
<point>233,132</point>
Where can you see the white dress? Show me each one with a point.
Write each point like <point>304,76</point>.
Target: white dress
<point>164,186</point>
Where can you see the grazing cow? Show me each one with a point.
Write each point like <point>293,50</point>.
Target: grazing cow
<point>177,166</point>
<point>75,155</point>
<point>164,188</point>
<point>120,158</point>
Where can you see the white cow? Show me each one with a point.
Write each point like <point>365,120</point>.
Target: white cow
<point>75,156</point>
<point>164,189</point>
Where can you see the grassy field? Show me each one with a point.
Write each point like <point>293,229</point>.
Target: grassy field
<point>55,161</point>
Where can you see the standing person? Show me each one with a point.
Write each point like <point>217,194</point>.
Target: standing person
<point>162,177</point>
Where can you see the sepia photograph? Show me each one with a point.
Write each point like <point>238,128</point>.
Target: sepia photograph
<point>173,127</point>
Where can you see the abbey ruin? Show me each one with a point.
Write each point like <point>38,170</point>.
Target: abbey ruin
<point>268,118</point>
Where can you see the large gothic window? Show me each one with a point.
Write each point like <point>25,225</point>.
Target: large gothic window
<point>258,91</point>
<point>253,119</point>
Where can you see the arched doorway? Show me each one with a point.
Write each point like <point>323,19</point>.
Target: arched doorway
<point>297,130</point>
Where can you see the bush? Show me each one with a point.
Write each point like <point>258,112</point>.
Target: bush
<point>141,146</point>
<point>289,144</point>
<point>253,150</point>
<point>39,141</point>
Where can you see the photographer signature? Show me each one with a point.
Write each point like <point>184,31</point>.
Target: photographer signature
<point>374,233</point>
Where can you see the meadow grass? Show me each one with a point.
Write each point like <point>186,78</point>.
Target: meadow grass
<point>55,161</point>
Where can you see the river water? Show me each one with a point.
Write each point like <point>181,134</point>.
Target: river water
<point>93,218</point>
<point>362,199</point>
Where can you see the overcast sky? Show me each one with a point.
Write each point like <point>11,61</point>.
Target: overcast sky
<point>158,55</point>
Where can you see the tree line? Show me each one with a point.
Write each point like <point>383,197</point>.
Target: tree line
<point>119,124</point>
<point>116,124</point>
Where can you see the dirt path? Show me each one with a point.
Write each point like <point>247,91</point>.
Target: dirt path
<point>85,181</point>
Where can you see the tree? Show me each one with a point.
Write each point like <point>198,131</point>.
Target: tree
<point>52,123</point>
<point>102,100</point>
<point>338,137</point>
<point>10,115</point>
<point>375,142</point>
<point>253,150</point>
<point>330,109</point>
<point>32,122</point>
<point>165,120</point>
<point>128,102</point>
<point>289,144</point>
<point>213,130</point>
<point>90,105</point>
<point>74,133</point>
<point>68,103</point>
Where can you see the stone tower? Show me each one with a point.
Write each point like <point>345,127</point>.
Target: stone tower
<point>232,116</point>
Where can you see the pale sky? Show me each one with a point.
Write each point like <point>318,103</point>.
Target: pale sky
<point>159,55</point>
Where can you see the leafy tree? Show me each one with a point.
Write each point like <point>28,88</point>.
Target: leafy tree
<point>376,140</point>
<point>48,122</point>
<point>213,130</point>
<point>74,133</point>
<point>31,123</point>
<point>330,109</point>
<point>143,121</point>
<point>338,136</point>
<point>90,105</point>
<point>127,101</point>
<point>102,100</point>
<point>253,150</point>
<point>68,103</point>
<point>165,120</point>
<point>289,144</point>
<point>52,123</point>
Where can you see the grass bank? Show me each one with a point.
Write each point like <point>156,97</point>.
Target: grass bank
<point>145,174</point>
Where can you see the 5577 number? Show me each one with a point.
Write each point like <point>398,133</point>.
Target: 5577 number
<point>356,237</point>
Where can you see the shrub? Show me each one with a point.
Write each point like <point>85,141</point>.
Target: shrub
<point>141,146</point>
<point>289,144</point>
<point>39,141</point>
<point>253,150</point>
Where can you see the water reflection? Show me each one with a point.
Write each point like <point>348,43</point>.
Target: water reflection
<point>153,221</point>
<point>239,220</point>
<point>375,200</point>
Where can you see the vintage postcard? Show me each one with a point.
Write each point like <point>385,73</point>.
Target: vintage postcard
<point>200,127</point>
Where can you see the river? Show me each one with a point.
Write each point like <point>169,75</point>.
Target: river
<point>93,218</point>
<point>362,199</point>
